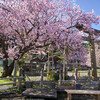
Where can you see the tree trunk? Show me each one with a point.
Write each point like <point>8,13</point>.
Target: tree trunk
<point>92,49</point>
<point>48,66</point>
<point>64,70</point>
<point>64,62</point>
<point>5,58</point>
<point>5,67</point>
<point>48,69</point>
<point>67,61</point>
<point>93,58</point>
<point>11,67</point>
<point>7,70</point>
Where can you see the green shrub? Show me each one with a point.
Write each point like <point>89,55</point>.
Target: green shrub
<point>73,67</point>
<point>55,76</point>
<point>50,75</point>
<point>66,77</point>
<point>67,84</point>
<point>45,70</point>
<point>79,68</point>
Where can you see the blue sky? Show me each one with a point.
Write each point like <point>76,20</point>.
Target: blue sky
<point>88,5</point>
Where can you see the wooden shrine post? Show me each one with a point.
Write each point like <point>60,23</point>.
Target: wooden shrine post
<point>15,72</point>
<point>76,75</point>
<point>19,80</point>
<point>60,77</point>
<point>89,76</point>
<point>41,84</point>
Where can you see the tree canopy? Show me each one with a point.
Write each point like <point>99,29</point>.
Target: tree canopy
<point>29,25</point>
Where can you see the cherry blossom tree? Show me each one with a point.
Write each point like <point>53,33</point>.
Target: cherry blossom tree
<point>29,25</point>
<point>72,46</point>
<point>93,35</point>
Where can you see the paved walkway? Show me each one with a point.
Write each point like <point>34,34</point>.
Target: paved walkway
<point>42,93</point>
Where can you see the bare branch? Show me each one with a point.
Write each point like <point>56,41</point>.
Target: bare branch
<point>30,30</point>
<point>31,22</point>
<point>81,28</point>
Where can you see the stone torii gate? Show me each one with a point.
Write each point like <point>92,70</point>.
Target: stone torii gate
<point>90,38</point>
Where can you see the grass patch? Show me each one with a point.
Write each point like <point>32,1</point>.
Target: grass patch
<point>14,90</point>
<point>6,81</point>
<point>1,70</point>
<point>36,78</point>
<point>67,84</point>
<point>85,73</point>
